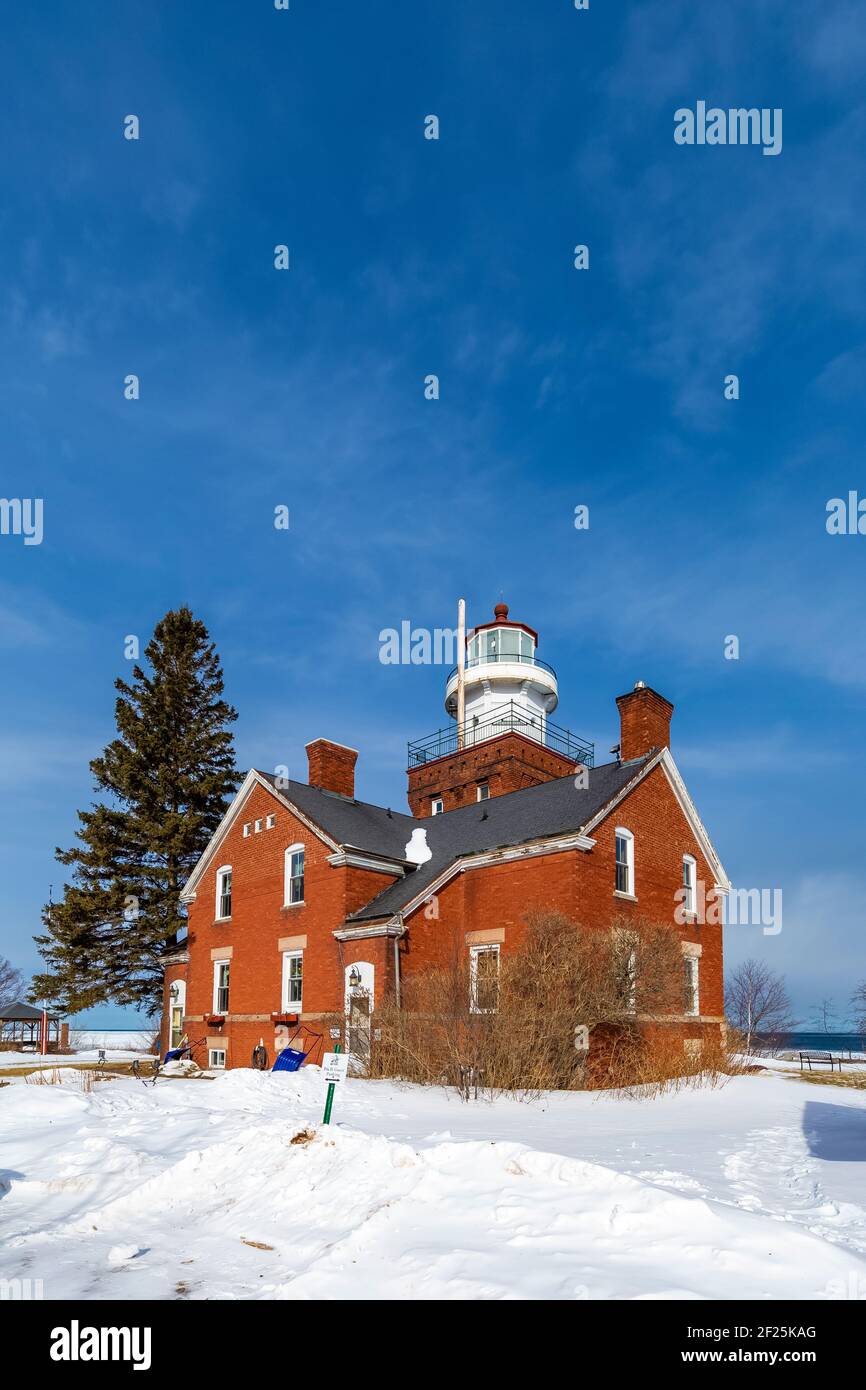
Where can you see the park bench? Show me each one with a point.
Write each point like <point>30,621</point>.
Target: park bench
<point>811,1057</point>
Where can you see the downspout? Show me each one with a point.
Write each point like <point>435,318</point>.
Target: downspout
<point>397,938</point>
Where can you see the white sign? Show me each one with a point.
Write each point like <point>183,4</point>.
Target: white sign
<point>335,1066</point>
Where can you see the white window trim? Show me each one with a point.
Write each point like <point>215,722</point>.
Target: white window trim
<point>690,884</point>
<point>474,953</point>
<point>213,1052</point>
<point>436,801</point>
<point>287,875</point>
<point>692,971</point>
<point>223,869</point>
<point>622,834</point>
<point>247,829</point>
<point>270,822</point>
<point>485,786</point>
<point>218,1012</point>
<point>290,1005</point>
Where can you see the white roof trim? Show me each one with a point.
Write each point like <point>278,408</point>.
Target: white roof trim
<point>697,826</point>
<point>253,778</point>
<point>664,759</point>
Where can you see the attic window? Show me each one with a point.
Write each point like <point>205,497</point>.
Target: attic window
<point>247,828</point>
<point>258,826</point>
<point>436,806</point>
<point>270,822</point>
<point>484,791</point>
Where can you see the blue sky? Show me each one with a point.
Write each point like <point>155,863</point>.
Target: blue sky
<point>558,387</point>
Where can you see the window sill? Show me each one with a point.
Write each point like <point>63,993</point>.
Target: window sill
<point>629,897</point>
<point>221,921</point>
<point>285,907</point>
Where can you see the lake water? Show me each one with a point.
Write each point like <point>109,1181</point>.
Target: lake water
<point>825,1042</point>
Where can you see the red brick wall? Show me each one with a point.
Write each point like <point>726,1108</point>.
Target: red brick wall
<point>507,764</point>
<point>578,883</point>
<point>259,921</point>
<point>581,884</point>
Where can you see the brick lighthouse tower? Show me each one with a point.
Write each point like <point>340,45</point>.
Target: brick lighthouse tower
<point>506,739</point>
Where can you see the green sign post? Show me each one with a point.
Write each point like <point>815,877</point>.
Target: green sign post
<point>329,1100</point>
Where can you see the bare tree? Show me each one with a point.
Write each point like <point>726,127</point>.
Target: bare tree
<point>757,1002</point>
<point>824,1016</point>
<point>11,982</point>
<point>858,1008</point>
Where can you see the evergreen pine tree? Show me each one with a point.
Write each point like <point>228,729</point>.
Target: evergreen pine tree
<point>167,778</point>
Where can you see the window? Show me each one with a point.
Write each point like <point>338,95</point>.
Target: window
<point>216,1057</point>
<point>294,875</point>
<point>691,967</point>
<point>224,891</point>
<point>436,806</point>
<point>258,825</point>
<point>293,977</point>
<point>247,829</point>
<point>484,791</point>
<point>483,979</point>
<point>221,987</point>
<point>624,861</point>
<point>690,873</point>
<point>270,822</point>
<point>176,1025</point>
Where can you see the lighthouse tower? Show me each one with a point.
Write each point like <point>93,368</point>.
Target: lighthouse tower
<point>506,686</point>
<point>506,739</point>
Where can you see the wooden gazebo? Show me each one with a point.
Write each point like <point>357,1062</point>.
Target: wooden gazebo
<point>21,1027</point>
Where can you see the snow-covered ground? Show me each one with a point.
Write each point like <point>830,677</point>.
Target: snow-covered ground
<point>193,1188</point>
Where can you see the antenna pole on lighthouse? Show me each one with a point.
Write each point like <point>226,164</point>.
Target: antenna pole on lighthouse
<point>461,669</point>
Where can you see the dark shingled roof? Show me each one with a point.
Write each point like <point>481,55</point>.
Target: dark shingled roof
<point>15,1013</point>
<point>355,824</point>
<point>551,808</point>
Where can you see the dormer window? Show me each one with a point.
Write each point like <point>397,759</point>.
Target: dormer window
<point>624,862</point>
<point>224,892</point>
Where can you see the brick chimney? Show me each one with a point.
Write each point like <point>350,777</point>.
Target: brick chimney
<point>332,766</point>
<point>645,721</point>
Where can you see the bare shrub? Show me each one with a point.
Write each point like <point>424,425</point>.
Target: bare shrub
<point>517,1033</point>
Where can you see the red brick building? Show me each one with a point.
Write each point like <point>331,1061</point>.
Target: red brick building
<point>309,903</point>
